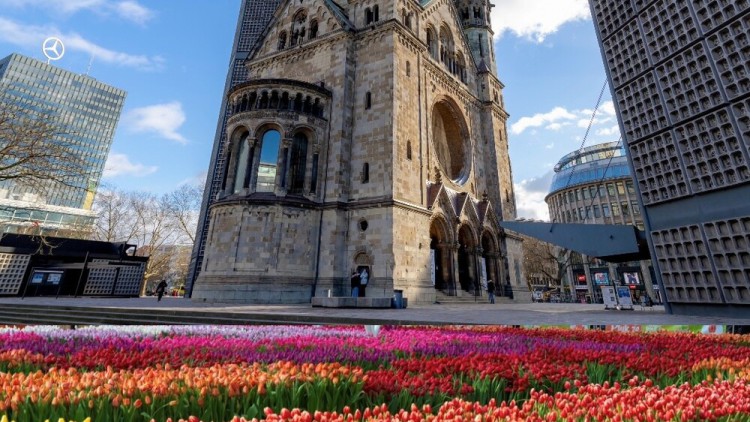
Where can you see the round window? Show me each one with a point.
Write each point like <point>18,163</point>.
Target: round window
<point>449,136</point>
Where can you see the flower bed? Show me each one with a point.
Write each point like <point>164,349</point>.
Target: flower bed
<point>343,373</point>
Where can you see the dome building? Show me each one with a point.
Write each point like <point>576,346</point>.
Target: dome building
<point>594,185</point>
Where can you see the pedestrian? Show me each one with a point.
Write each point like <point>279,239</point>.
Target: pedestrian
<point>491,290</point>
<point>160,288</point>
<point>364,278</point>
<point>355,284</point>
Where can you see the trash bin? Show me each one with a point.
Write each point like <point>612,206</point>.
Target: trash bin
<point>398,299</point>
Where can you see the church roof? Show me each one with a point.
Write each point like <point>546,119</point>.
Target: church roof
<point>482,67</point>
<point>340,14</point>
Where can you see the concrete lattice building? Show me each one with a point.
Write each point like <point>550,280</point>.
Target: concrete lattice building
<point>85,113</point>
<point>367,134</point>
<point>680,75</point>
<point>593,185</point>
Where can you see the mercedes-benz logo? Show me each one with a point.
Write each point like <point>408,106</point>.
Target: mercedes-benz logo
<point>53,48</point>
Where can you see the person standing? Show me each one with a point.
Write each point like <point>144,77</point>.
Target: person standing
<point>160,288</point>
<point>355,284</point>
<point>364,278</point>
<point>491,290</point>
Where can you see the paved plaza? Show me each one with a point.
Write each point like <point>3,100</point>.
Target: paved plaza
<point>479,313</point>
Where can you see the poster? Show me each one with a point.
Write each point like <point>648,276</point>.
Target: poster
<point>54,278</point>
<point>631,278</point>
<point>608,295</point>
<point>601,279</point>
<point>483,270</point>
<point>432,266</point>
<point>623,296</point>
<point>37,278</point>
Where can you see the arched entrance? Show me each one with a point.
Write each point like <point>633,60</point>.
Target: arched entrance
<point>467,260</point>
<point>441,253</point>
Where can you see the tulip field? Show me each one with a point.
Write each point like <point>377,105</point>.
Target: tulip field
<point>347,373</point>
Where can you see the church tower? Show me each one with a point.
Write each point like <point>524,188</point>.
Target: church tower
<point>475,18</point>
<point>367,135</point>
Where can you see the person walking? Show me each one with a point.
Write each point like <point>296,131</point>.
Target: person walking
<point>491,290</point>
<point>364,278</point>
<point>160,288</point>
<point>355,284</point>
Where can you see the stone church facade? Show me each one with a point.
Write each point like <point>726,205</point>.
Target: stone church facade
<point>370,133</point>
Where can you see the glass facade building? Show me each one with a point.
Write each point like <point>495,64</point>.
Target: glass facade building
<point>253,18</point>
<point>85,113</point>
<point>594,185</point>
<point>679,71</point>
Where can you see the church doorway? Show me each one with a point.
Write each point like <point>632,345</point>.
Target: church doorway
<point>440,253</point>
<point>466,261</point>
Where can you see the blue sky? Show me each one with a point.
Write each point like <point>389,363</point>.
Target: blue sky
<point>172,56</point>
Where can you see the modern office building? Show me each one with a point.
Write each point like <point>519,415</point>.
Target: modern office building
<point>253,19</point>
<point>680,75</point>
<point>84,113</point>
<point>594,185</point>
<point>366,136</point>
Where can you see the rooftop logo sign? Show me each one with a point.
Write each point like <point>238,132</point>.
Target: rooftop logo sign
<point>53,48</point>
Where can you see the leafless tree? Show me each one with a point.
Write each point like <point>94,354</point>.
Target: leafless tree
<point>545,261</point>
<point>184,204</point>
<point>37,154</point>
<point>161,226</point>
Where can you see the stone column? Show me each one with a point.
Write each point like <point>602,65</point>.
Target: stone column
<point>454,268</point>
<point>477,253</point>
<point>647,281</point>
<point>282,172</point>
<point>587,272</point>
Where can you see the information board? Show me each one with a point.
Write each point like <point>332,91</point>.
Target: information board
<point>609,297</point>
<point>623,296</point>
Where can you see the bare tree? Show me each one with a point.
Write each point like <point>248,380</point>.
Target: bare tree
<point>163,227</point>
<point>37,154</point>
<point>544,261</point>
<point>184,205</point>
<point>115,219</point>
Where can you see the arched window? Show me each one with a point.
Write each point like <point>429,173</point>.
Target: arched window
<point>368,16</point>
<point>408,69</point>
<point>269,161</point>
<point>446,48</point>
<point>365,172</point>
<point>375,13</point>
<point>432,43</point>
<point>368,100</point>
<point>282,40</point>
<point>227,163</point>
<point>408,150</point>
<point>241,164</point>
<point>298,164</point>
<point>313,29</point>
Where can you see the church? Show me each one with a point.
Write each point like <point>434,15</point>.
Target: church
<point>369,134</point>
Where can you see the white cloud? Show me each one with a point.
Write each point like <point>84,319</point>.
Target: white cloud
<point>133,11</point>
<point>607,108</point>
<point>129,10</point>
<point>551,117</point>
<point>120,165</point>
<point>584,123</point>
<point>530,195</point>
<point>610,131</point>
<point>550,146</point>
<point>161,119</point>
<point>31,36</point>
<point>536,19</point>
